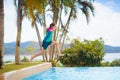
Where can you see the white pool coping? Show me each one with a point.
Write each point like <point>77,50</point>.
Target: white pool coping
<point>25,72</point>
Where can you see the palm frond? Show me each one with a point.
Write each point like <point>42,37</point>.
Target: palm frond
<point>15,3</point>
<point>34,7</point>
<point>85,11</point>
<point>87,5</point>
<point>40,19</point>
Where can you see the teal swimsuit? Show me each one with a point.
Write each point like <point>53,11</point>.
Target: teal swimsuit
<point>47,40</point>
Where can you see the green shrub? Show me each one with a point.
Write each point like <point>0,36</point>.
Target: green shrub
<point>115,62</point>
<point>25,59</point>
<point>105,64</point>
<point>8,61</point>
<point>86,53</point>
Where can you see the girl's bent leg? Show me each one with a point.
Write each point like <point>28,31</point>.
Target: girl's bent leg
<point>57,46</point>
<point>37,54</point>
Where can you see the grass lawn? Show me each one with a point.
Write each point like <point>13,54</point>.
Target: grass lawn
<point>11,67</point>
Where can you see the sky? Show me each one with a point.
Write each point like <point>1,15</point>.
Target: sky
<point>105,24</point>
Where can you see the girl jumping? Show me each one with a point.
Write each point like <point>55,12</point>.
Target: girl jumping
<point>48,41</point>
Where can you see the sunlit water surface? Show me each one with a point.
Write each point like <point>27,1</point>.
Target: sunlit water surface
<point>78,73</point>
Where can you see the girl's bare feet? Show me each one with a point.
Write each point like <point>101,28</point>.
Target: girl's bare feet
<point>59,55</point>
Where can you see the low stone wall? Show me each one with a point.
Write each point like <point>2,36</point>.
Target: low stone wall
<point>25,72</point>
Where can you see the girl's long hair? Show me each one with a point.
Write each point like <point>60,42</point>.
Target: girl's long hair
<point>51,26</point>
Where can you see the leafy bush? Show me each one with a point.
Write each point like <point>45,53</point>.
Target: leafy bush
<point>105,64</point>
<point>25,59</point>
<point>8,61</point>
<point>86,53</point>
<point>116,62</point>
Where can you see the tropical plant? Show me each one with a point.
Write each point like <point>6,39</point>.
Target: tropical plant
<point>34,10</point>
<point>115,62</point>
<point>74,5</point>
<point>25,59</point>
<point>86,53</point>
<point>70,8</point>
<point>105,64</point>
<point>19,29</point>
<point>1,31</point>
<point>23,10</point>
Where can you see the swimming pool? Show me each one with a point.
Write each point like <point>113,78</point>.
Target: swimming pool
<point>78,73</point>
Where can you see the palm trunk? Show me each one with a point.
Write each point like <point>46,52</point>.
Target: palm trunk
<point>64,35</point>
<point>47,57</point>
<point>44,24</point>
<point>60,14</point>
<point>66,27</point>
<point>55,13</point>
<point>55,19</point>
<point>39,39</point>
<point>38,35</point>
<point>63,41</point>
<point>45,28</point>
<point>1,32</point>
<point>19,28</point>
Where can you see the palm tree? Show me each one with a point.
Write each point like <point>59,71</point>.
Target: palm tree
<point>19,28</point>
<point>56,7</point>
<point>85,6</point>
<point>1,31</point>
<point>22,4</point>
<point>35,11</point>
<point>70,7</point>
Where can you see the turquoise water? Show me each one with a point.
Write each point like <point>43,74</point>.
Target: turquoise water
<point>78,73</point>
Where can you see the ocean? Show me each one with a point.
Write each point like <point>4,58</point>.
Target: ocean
<point>108,57</point>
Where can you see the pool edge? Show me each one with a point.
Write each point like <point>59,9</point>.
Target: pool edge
<point>25,72</point>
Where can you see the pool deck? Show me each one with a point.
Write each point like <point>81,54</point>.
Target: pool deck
<point>25,72</point>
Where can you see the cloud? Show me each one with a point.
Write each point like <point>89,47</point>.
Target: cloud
<point>9,21</point>
<point>104,24</point>
<point>112,4</point>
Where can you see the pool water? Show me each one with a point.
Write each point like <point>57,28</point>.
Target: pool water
<point>78,73</point>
